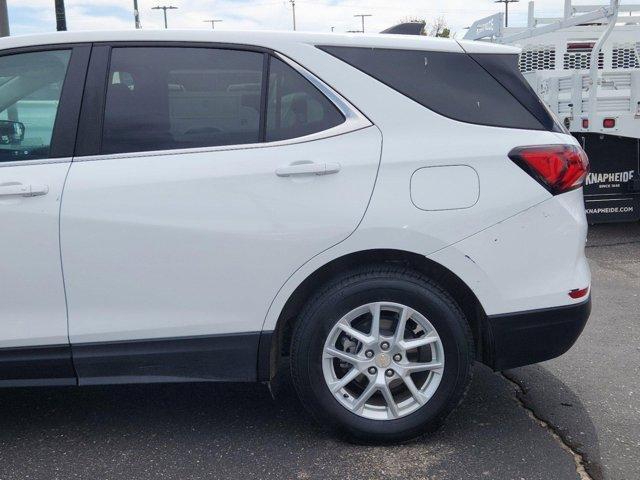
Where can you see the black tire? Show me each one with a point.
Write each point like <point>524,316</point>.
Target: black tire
<point>389,283</point>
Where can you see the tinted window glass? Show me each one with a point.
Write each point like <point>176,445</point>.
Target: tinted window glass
<point>30,88</point>
<point>451,84</point>
<point>295,107</point>
<point>169,98</point>
<point>505,69</point>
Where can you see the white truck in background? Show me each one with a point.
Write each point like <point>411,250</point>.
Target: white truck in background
<point>562,58</point>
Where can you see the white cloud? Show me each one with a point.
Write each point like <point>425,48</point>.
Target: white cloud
<point>312,15</point>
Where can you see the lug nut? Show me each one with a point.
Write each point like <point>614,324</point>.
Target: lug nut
<point>389,373</point>
<point>397,357</point>
<point>373,370</point>
<point>368,353</point>
<point>384,345</point>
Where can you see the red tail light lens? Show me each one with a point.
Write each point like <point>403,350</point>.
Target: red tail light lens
<point>558,168</point>
<point>578,292</point>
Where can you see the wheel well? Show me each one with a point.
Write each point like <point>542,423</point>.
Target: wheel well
<point>460,292</point>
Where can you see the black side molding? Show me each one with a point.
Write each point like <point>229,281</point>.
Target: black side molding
<point>32,366</point>
<point>524,338</point>
<point>225,358</point>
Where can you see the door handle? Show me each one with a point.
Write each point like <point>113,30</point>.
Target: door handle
<point>21,190</point>
<point>308,169</point>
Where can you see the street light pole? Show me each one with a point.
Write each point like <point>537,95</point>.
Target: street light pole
<point>213,23</point>
<point>136,13</point>
<point>362,16</point>
<point>506,9</point>
<point>293,6</point>
<point>164,9</point>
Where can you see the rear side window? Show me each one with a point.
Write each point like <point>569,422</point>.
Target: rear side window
<point>172,98</point>
<point>30,89</point>
<point>451,84</point>
<point>505,69</point>
<point>295,107</point>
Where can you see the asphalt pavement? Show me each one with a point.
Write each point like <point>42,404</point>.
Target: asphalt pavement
<point>591,395</point>
<point>538,422</point>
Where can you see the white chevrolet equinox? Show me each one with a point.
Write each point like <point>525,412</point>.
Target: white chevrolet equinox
<point>376,211</point>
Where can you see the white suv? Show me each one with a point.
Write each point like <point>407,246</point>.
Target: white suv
<point>201,206</point>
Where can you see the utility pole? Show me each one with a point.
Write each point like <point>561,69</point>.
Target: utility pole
<point>362,17</point>
<point>293,6</point>
<point>164,9</point>
<point>506,9</point>
<point>136,13</point>
<point>12,110</point>
<point>213,23</point>
<point>61,16</point>
<point>4,19</point>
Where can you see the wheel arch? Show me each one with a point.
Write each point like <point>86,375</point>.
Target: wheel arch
<point>277,344</point>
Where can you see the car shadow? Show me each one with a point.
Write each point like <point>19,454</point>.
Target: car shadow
<point>552,401</point>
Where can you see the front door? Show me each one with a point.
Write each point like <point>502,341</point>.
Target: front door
<point>212,186</point>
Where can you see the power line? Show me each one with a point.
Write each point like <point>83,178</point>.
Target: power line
<point>506,9</point>
<point>164,9</point>
<point>362,17</point>
<point>213,23</point>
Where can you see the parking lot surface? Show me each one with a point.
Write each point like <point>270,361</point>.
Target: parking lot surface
<point>589,397</point>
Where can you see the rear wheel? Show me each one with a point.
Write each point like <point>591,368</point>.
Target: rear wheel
<point>381,355</point>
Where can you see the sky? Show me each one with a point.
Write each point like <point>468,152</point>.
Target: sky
<point>35,16</point>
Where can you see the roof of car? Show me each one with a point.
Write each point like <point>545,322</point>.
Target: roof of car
<point>263,38</point>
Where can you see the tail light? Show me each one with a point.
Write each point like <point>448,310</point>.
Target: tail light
<point>558,168</point>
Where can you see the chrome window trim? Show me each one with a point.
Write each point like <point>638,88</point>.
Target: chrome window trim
<point>41,161</point>
<point>354,121</point>
<point>332,132</point>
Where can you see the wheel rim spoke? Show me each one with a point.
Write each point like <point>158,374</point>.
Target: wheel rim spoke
<point>402,324</point>
<point>364,396</point>
<point>415,393</point>
<point>344,381</point>
<point>418,342</point>
<point>357,334</point>
<point>391,403</point>
<point>423,367</point>
<point>339,354</point>
<point>375,320</point>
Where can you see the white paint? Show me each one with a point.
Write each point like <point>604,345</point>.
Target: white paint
<point>31,289</point>
<point>445,188</point>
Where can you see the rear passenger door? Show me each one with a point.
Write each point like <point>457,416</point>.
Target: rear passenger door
<point>207,177</point>
<point>40,95</point>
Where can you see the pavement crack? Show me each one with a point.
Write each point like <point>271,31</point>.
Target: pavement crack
<point>578,459</point>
